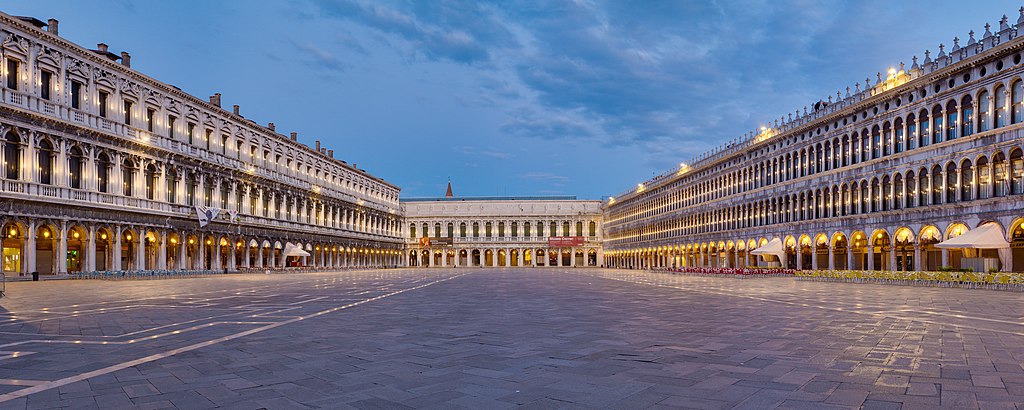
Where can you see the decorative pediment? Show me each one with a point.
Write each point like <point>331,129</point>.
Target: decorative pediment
<point>130,87</point>
<point>77,67</point>
<point>16,43</point>
<point>51,57</point>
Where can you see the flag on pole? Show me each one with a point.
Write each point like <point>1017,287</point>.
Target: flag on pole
<point>206,214</point>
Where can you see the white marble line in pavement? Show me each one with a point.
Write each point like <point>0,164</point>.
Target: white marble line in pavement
<point>120,366</point>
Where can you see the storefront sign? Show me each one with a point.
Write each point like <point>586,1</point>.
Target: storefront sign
<point>564,241</point>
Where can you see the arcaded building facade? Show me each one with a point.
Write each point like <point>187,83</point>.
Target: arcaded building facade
<point>503,232</point>
<point>106,169</point>
<point>869,179</point>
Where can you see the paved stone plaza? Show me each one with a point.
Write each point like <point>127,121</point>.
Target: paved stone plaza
<point>479,338</point>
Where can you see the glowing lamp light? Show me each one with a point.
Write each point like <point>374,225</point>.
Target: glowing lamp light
<point>128,237</point>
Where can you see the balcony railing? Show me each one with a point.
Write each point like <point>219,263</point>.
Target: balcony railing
<point>45,107</point>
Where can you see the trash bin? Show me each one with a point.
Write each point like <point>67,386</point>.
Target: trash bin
<point>35,276</point>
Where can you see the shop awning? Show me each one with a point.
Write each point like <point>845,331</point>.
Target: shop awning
<point>773,247</point>
<point>987,236</point>
<point>290,249</point>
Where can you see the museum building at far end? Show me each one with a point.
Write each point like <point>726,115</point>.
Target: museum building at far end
<point>531,231</point>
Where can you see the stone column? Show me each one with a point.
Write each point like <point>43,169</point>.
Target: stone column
<point>90,250</point>
<point>232,256</point>
<point>945,257</point>
<point>115,264</point>
<point>140,251</point>
<point>832,259</point>
<point>201,251</point>
<point>917,257</point>
<point>814,258</point>
<point>61,254</point>
<point>871,258</point>
<point>161,262</point>
<point>183,252</point>
<point>892,258</point>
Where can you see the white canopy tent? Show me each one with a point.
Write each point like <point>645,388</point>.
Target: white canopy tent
<point>773,247</point>
<point>987,236</point>
<point>290,249</point>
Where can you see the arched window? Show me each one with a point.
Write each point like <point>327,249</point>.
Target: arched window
<point>983,111</point>
<point>476,229</point>
<point>565,228</point>
<point>579,228</point>
<point>540,229</point>
<point>12,156</point>
<point>984,174</point>
<point>501,229</point>
<point>437,230</point>
<point>911,131</point>
<point>936,187</point>
<point>865,197</point>
<point>593,229</point>
<point>925,136</point>
<point>951,120</point>
<point>1016,172</point>
<point>103,172</point>
<point>911,190</point>
<point>526,229</point>
<point>1016,94</point>
<point>45,162</point>
<point>951,182</point>
<point>865,145</point>
<point>172,189</point>
<point>128,177</point>
<point>412,230</point>
<point>225,191</point>
<point>897,127</point>
<point>966,181</point>
<point>854,148</point>
<point>923,189</point>
<point>191,183</point>
<point>938,130</point>
<point>836,150</point>
<point>75,168</point>
<point>966,116</point>
<point>1000,184</point>
<point>451,230</point>
<point>150,181</point>
<point>846,150</point>
<point>208,196</point>
<point>554,229</point>
<point>886,139</point>
<point>462,230</point>
<point>897,185</point>
<point>487,229</point>
<point>999,93</point>
<point>876,195</point>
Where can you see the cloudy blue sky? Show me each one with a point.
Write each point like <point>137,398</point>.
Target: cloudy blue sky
<point>582,98</point>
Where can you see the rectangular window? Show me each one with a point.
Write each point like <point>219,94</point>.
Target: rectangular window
<point>209,136</point>
<point>170,125</point>
<point>12,74</point>
<point>45,77</point>
<point>127,112</point>
<point>76,95</point>
<point>191,132</point>
<point>103,104</point>
<point>150,113</point>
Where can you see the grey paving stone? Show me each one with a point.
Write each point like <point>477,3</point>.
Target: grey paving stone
<point>488,338</point>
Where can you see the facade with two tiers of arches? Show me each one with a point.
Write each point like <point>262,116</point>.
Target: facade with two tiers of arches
<point>871,180</point>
